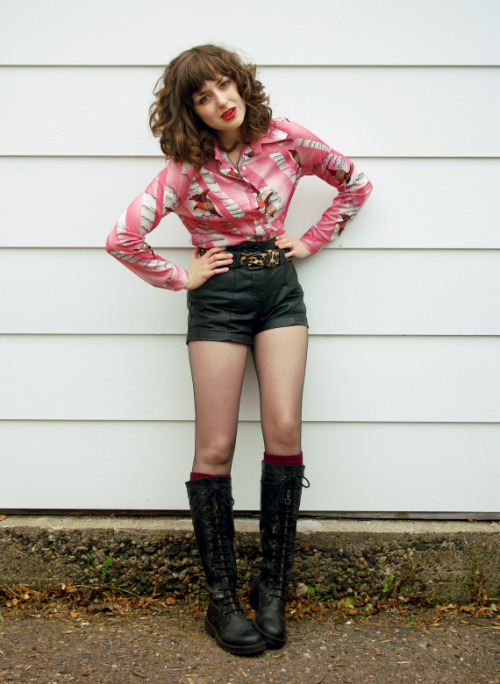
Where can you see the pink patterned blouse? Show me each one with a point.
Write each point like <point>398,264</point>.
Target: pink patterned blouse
<point>221,205</point>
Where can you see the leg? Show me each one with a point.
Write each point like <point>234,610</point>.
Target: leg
<point>217,369</point>
<point>280,358</point>
<point>280,361</point>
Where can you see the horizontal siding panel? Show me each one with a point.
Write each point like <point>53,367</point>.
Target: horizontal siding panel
<point>403,370</point>
<point>416,203</point>
<point>330,31</point>
<point>367,292</point>
<point>359,455</point>
<point>416,112</point>
<point>397,379</point>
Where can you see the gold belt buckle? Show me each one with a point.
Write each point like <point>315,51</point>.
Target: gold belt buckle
<point>254,261</point>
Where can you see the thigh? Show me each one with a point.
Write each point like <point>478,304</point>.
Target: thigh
<point>280,361</point>
<point>217,370</point>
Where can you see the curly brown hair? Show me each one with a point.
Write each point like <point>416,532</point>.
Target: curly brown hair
<point>183,135</point>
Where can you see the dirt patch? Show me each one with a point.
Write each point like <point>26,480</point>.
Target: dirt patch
<point>443,563</point>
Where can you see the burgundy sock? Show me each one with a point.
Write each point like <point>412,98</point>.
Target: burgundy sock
<point>274,459</point>
<point>199,476</point>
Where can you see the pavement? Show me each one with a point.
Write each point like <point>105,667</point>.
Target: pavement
<point>415,645</point>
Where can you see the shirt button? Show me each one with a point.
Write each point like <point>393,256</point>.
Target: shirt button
<point>243,168</point>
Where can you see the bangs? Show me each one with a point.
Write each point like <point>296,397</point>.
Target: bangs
<point>198,67</point>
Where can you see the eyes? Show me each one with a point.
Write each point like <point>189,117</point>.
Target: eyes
<point>205,97</point>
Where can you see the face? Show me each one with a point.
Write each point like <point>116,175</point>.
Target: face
<point>220,106</point>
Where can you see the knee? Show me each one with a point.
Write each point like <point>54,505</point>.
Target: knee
<point>217,453</point>
<point>285,433</point>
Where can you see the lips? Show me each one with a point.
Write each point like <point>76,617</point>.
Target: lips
<point>229,114</point>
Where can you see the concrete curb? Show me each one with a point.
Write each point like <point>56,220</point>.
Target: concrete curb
<point>443,561</point>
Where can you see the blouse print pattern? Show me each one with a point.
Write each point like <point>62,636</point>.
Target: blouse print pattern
<point>221,205</point>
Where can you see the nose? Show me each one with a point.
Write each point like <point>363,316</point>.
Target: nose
<point>221,99</point>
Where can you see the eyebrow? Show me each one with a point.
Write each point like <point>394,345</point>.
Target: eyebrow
<point>197,93</point>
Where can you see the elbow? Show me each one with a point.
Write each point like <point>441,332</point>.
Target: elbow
<point>369,187</point>
<point>111,242</point>
<point>363,187</point>
<point>362,181</point>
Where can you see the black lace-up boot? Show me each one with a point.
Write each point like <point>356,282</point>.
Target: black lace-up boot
<point>281,489</point>
<point>211,509</point>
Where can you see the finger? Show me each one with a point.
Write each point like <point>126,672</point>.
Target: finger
<point>218,266</point>
<point>222,258</point>
<point>216,271</point>
<point>215,250</point>
<point>211,256</point>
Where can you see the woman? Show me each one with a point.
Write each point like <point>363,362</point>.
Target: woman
<point>230,175</point>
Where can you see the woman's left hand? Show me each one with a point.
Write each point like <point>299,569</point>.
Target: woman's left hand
<point>293,247</point>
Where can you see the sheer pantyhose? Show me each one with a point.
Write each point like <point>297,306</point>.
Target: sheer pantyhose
<point>217,370</point>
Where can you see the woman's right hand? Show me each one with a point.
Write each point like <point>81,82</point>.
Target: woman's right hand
<point>216,260</point>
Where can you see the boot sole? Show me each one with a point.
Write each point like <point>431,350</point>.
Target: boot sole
<point>271,642</point>
<point>252,649</point>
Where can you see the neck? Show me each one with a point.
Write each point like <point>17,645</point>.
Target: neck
<point>233,147</point>
<point>230,141</point>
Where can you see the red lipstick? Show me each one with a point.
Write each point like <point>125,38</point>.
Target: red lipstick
<point>229,114</point>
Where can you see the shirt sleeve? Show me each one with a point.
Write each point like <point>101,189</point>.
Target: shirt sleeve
<point>353,186</point>
<point>126,242</point>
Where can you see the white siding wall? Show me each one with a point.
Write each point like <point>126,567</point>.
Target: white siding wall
<point>402,400</point>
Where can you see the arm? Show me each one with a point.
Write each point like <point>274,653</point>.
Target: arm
<point>127,243</point>
<point>338,171</point>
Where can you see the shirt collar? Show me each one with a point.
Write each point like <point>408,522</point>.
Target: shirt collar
<point>218,154</point>
<point>273,135</point>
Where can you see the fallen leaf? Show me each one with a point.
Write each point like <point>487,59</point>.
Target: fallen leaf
<point>347,601</point>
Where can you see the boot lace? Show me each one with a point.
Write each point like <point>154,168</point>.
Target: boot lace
<point>222,561</point>
<point>285,509</point>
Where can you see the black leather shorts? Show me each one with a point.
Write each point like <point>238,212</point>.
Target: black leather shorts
<point>237,305</point>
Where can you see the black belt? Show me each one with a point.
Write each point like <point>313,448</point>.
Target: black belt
<point>269,258</point>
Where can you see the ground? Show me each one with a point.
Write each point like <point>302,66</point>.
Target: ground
<point>167,643</point>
